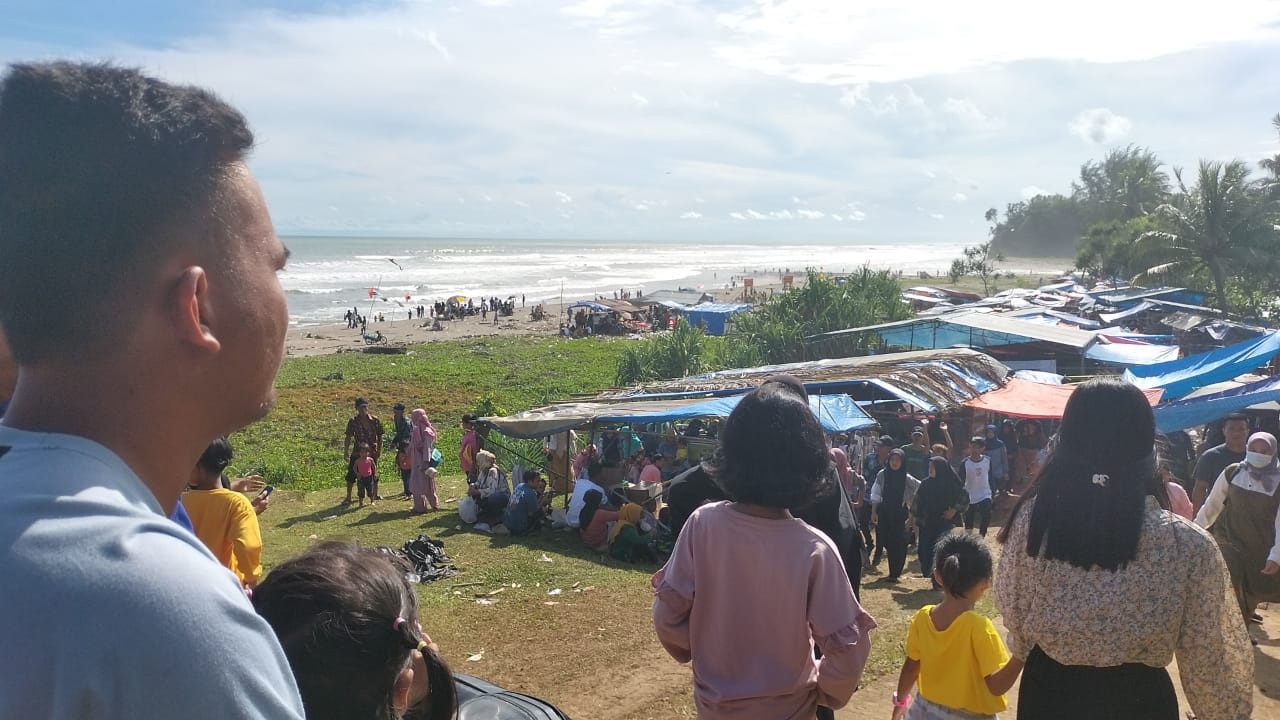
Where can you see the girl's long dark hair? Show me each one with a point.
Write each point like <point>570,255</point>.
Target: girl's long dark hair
<point>590,504</point>
<point>1091,493</point>
<point>773,450</point>
<point>347,620</point>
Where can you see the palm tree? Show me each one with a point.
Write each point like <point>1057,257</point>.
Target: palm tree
<point>1127,183</point>
<point>1212,227</point>
<point>1272,164</point>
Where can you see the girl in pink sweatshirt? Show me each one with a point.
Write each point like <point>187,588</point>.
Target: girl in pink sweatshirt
<point>749,590</point>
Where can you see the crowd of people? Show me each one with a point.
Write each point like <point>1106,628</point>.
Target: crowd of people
<point>116,609</point>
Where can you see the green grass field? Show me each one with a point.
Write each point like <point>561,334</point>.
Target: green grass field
<point>590,648</point>
<point>299,445</point>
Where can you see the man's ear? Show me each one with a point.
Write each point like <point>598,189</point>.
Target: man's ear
<point>400,691</point>
<point>190,311</point>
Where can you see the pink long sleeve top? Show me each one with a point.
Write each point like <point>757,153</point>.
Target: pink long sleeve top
<point>746,599</point>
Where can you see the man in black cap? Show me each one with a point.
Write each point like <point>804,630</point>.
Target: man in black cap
<point>917,453</point>
<point>872,464</point>
<point>362,429</point>
<point>400,441</point>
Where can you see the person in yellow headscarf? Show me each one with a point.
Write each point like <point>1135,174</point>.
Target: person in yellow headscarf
<point>627,541</point>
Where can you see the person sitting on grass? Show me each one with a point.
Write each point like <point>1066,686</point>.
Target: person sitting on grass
<point>348,621</point>
<point>956,655</point>
<point>525,511</point>
<point>223,519</point>
<point>652,473</point>
<point>490,490</point>
<point>627,542</point>
<point>594,521</point>
<point>591,481</point>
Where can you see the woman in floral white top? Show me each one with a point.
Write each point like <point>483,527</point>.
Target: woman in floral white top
<point>1100,585</point>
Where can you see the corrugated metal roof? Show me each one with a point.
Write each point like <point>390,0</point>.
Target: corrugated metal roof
<point>930,379</point>
<point>1134,293</point>
<point>997,322</point>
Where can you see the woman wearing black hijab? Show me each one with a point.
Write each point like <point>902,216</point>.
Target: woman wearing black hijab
<point>940,497</point>
<point>894,490</point>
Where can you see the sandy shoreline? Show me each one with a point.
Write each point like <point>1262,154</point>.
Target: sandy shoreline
<point>326,339</point>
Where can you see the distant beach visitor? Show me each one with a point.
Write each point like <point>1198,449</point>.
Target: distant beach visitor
<point>752,652</point>
<point>366,474</point>
<point>1100,586</point>
<point>468,448</point>
<point>361,428</point>
<point>422,477</point>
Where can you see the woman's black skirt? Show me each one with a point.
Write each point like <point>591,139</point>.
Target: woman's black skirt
<point>1133,691</point>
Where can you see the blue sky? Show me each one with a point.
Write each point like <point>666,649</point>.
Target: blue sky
<point>792,120</point>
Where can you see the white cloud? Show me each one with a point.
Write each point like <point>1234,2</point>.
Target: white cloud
<point>690,215</point>
<point>937,216</point>
<point>640,206</point>
<point>1031,191</point>
<point>1100,126</point>
<point>810,214</point>
<point>968,113</point>
<point>852,97</point>
<point>960,198</point>
<point>439,46</point>
<point>837,42</point>
<point>745,104</point>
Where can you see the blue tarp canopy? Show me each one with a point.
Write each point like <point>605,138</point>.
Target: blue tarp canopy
<point>838,413</point>
<point>1192,412</point>
<point>714,315</point>
<point>592,306</point>
<point>1181,377</point>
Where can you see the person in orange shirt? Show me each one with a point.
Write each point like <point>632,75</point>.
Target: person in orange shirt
<point>224,520</point>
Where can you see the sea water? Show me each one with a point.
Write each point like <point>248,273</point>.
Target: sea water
<point>328,275</point>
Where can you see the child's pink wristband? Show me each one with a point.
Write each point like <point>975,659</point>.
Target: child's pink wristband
<point>904,702</point>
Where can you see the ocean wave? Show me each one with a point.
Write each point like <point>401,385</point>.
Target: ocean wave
<point>315,291</point>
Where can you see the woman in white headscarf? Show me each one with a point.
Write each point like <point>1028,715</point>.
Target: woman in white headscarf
<point>1243,513</point>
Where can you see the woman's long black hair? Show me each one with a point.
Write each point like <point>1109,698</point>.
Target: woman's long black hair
<point>1090,496</point>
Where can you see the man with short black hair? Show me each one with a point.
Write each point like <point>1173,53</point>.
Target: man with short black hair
<point>1235,431</point>
<point>365,429</point>
<point>872,464</point>
<point>136,193</point>
<point>400,441</point>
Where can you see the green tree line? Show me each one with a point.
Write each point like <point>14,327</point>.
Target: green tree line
<point>774,332</point>
<point>1212,228</point>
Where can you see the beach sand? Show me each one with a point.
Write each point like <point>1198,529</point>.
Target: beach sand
<point>313,340</point>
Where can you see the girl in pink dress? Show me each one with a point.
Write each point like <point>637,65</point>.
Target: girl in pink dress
<point>749,590</point>
<point>422,477</point>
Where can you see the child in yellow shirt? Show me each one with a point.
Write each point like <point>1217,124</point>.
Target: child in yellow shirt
<point>956,655</point>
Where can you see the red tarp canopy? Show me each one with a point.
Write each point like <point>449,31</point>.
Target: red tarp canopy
<point>1023,398</point>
